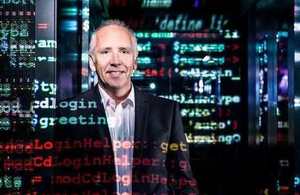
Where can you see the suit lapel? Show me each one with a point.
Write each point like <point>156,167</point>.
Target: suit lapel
<point>102,129</point>
<point>141,117</point>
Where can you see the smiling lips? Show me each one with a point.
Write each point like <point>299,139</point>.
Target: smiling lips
<point>115,73</point>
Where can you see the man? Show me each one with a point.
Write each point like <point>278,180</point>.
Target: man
<point>140,148</point>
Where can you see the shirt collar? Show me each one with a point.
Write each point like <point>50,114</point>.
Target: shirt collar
<point>108,101</point>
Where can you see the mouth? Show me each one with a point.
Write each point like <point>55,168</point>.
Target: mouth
<point>115,73</point>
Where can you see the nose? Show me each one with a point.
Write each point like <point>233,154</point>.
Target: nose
<point>115,60</point>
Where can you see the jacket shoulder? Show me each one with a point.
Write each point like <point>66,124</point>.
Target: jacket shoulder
<point>71,105</point>
<point>88,95</point>
<point>160,101</point>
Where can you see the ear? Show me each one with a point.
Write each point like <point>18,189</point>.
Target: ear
<point>135,65</point>
<point>135,60</point>
<point>92,63</point>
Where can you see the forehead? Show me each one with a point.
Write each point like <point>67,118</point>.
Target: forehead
<point>113,35</point>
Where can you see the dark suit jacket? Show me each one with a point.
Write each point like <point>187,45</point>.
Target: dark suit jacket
<point>160,148</point>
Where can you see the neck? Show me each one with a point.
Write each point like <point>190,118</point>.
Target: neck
<point>117,94</point>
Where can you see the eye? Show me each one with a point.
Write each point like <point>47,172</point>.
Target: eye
<point>125,51</point>
<point>104,52</point>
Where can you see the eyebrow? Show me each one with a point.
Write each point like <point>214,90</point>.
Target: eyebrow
<point>120,48</point>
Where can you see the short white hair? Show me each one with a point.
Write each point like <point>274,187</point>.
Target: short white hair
<point>114,22</point>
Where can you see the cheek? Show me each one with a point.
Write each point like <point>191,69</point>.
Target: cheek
<point>130,69</point>
<point>100,67</point>
<point>130,63</point>
<point>100,73</point>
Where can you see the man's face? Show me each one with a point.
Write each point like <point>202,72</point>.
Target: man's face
<point>114,57</point>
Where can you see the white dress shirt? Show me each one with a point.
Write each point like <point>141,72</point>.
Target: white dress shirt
<point>120,119</point>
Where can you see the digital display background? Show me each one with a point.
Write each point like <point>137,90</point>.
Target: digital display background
<point>297,93</point>
<point>27,94</point>
<point>17,58</point>
<point>193,57</point>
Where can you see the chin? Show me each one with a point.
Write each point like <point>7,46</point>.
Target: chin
<point>118,84</point>
<point>115,86</point>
